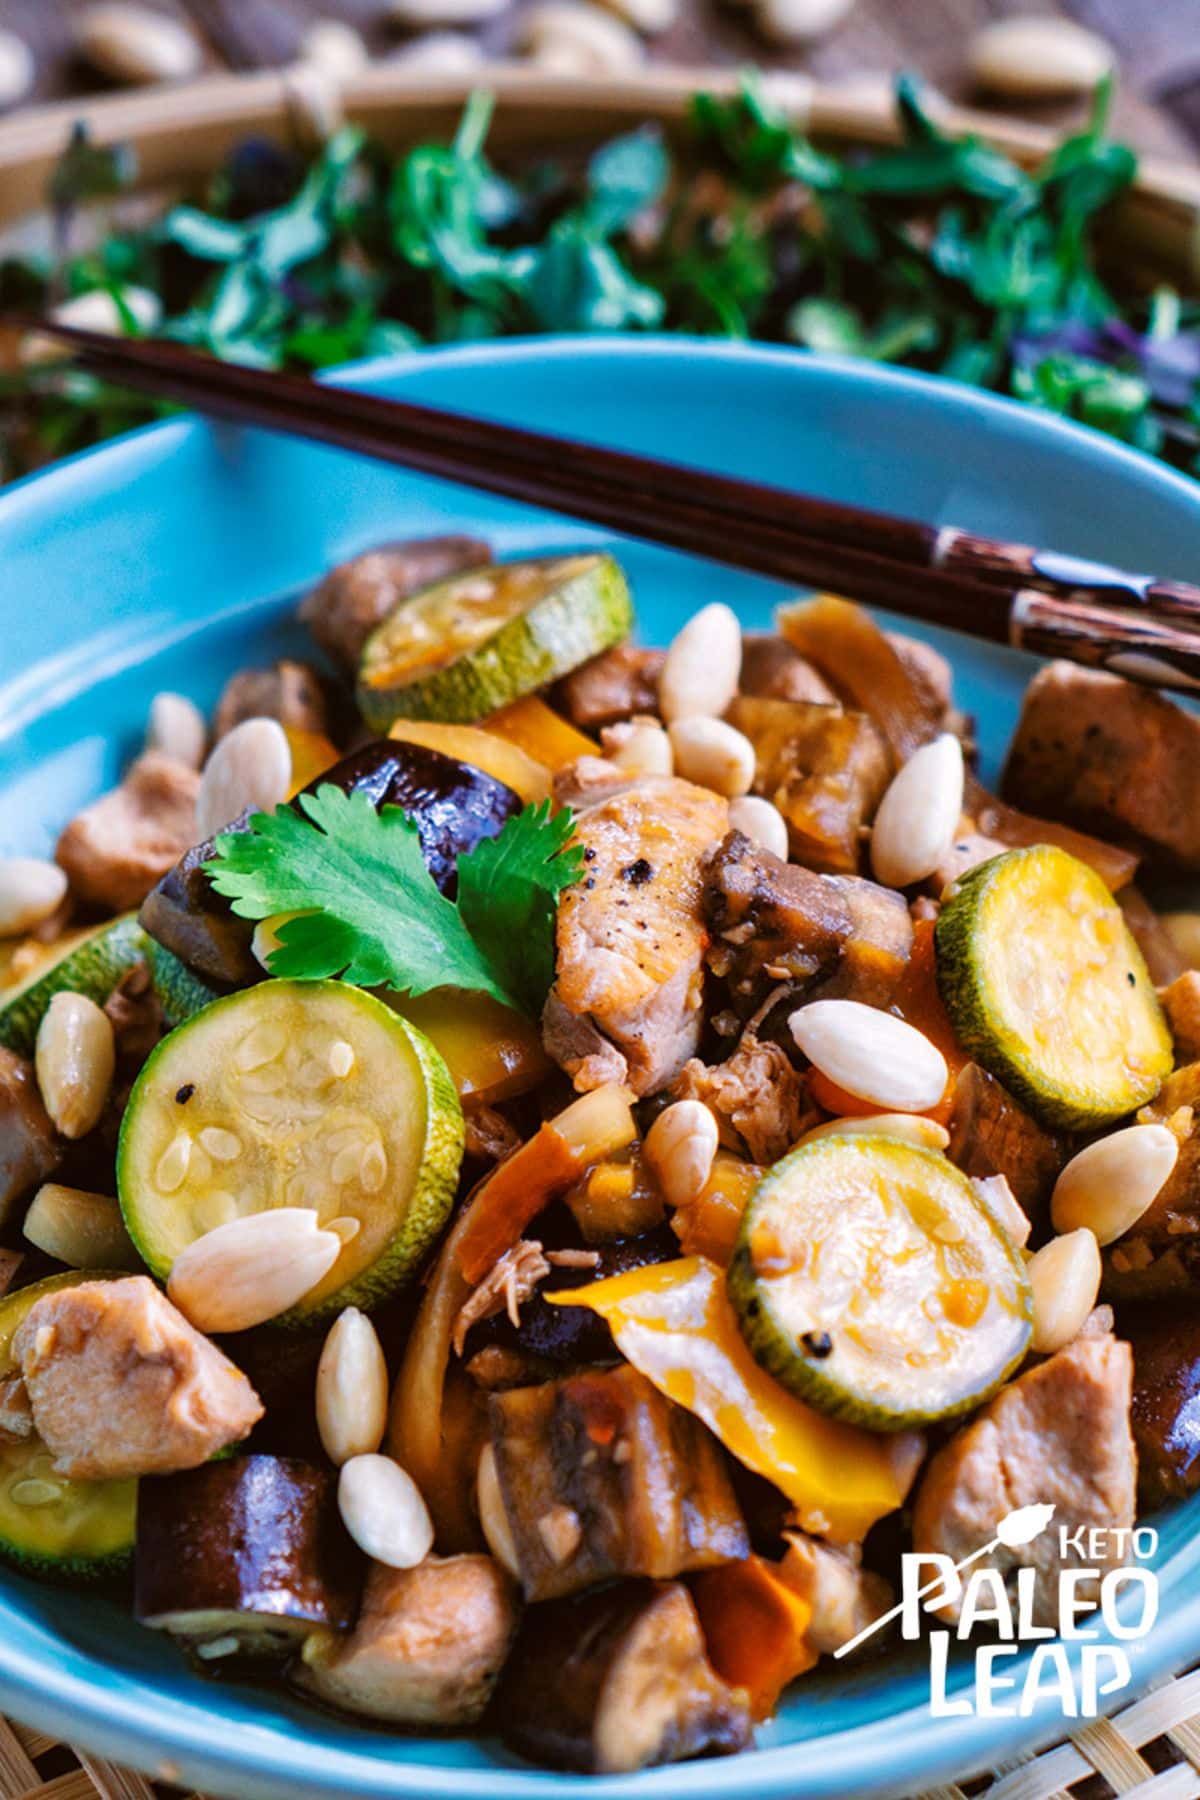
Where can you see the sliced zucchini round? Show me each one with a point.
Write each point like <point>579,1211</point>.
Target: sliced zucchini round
<point>71,1530</point>
<point>1048,990</point>
<point>89,963</point>
<point>295,1093</point>
<point>478,641</point>
<point>870,1281</point>
<point>181,992</point>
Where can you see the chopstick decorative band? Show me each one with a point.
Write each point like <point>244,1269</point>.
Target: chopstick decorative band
<point>1140,647</point>
<point>1066,577</point>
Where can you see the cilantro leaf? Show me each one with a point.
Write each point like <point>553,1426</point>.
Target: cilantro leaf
<point>369,910</point>
<point>507,887</point>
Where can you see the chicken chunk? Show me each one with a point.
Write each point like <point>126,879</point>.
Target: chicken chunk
<point>288,691</point>
<point>630,939</point>
<point>428,1648</point>
<point>29,1150</point>
<point>122,1385</point>
<point>1110,757</point>
<point>612,686</point>
<point>965,853</point>
<point>115,850</point>
<point>1059,1434</point>
<point>772,670</point>
<point>845,1598</point>
<point>1181,1003</point>
<point>618,1681</point>
<point>757,1092</point>
<point>343,610</point>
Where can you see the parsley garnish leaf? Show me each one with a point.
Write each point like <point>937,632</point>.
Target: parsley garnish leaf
<point>507,888</point>
<point>369,910</point>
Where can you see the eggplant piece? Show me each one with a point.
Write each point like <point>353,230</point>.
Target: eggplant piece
<point>826,771</point>
<point>877,947</point>
<point>452,805</point>
<point>770,920</point>
<point>1165,1414</point>
<point>618,1681</point>
<point>428,1648</point>
<point>29,1148</point>
<point>990,1134</point>
<point>598,1475</point>
<point>572,1334</point>
<point>242,1558</point>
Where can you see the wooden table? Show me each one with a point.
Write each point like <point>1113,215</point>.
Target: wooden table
<point>1158,107</point>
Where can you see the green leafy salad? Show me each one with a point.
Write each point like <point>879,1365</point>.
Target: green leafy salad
<point>941,253</point>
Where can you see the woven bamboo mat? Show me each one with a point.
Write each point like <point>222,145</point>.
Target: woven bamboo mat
<point>1150,1750</point>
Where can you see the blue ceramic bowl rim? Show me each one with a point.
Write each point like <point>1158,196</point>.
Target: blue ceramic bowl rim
<point>855,1762</point>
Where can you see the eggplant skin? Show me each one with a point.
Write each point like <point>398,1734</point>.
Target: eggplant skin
<point>452,805</point>
<point>615,1681</point>
<point>1165,1414</point>
<point>256,1539</point>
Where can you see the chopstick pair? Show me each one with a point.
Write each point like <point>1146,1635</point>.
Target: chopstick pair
<point>1040,600</point>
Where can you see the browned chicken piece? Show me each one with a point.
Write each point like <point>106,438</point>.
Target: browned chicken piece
<point>990,1134</point>
<point>288,691</point>
<point>1174,1213</point>
<point>757,1093</point>
<point>1109,757</point>
<point>343,610</point>
<point>16,1413</point>
<point>428,1647</point>
<point>10,1265</point>
<point>772,670</point>
<point>826,771</point>
<point>877,947</point>
<point>135,1012</point>
<point>600,1476</point>
<point>489,1136</point>
<point>612,686</point>
<point>845,1598</point>
<point>122,1385</point>
<point>1059,1434</point>
<point>1181,1003</point>
<point>590,781</point>
<point>927,669</point>
<point>965,853</point>
<point>630,939</point>
<point>29,1149</point>
<point>115,850</point>
<point>618,1681</point>
<point>504,1289</point>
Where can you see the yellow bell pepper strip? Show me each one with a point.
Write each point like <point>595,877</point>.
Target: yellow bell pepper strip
<point>674,1322</point>
<point>312,754</point>
<point>708,1225</point>
<point>754,1628</point>
<point>541,732</point>
<point>492,1052</point>
<point>481,749</point>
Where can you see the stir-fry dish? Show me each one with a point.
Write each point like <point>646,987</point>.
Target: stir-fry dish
<point>534,1168</point>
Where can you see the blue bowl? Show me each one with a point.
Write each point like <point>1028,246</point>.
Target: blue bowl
<point>173,556</point>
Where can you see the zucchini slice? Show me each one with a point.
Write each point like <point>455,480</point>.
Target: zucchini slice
<point>1048,990</point>
<point>295,1093</point>
<point>478,641</point>
<point>89,963</point>
<point>870,1281</point>
<point>71,1530</point>
<point>181,992</point>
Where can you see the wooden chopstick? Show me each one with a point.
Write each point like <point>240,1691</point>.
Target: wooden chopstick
<point>1006,593</point>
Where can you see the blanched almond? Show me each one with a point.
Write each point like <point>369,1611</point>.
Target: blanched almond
<point>800,21</point>
<point>382,1509</point>
<point>440,53</point>
<point>1030,57</point>
<point>352,1389</point>
<point>252,1269</point>
<point>680,1147</point>
<point>639,745</point>
<point>918,815</point>
<point>177,729</point>
<point>704,663</point>
<point>761,822</point>
<point>250,767</point>
<point>83,1230</point>
<point>1065,1277</point>
<point>335,47</point>
<point>136,43</point>
<point>572,37</point>
<point>75,1057</point>
<point>16,68</point>
<point>713,755</point>
<point>873,1055</point>
<point>30,890</point>
<point>910,1128</point>
<point>1108,1185</point>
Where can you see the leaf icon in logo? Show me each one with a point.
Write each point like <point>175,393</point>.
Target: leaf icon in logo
<point>1023,1525</point>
